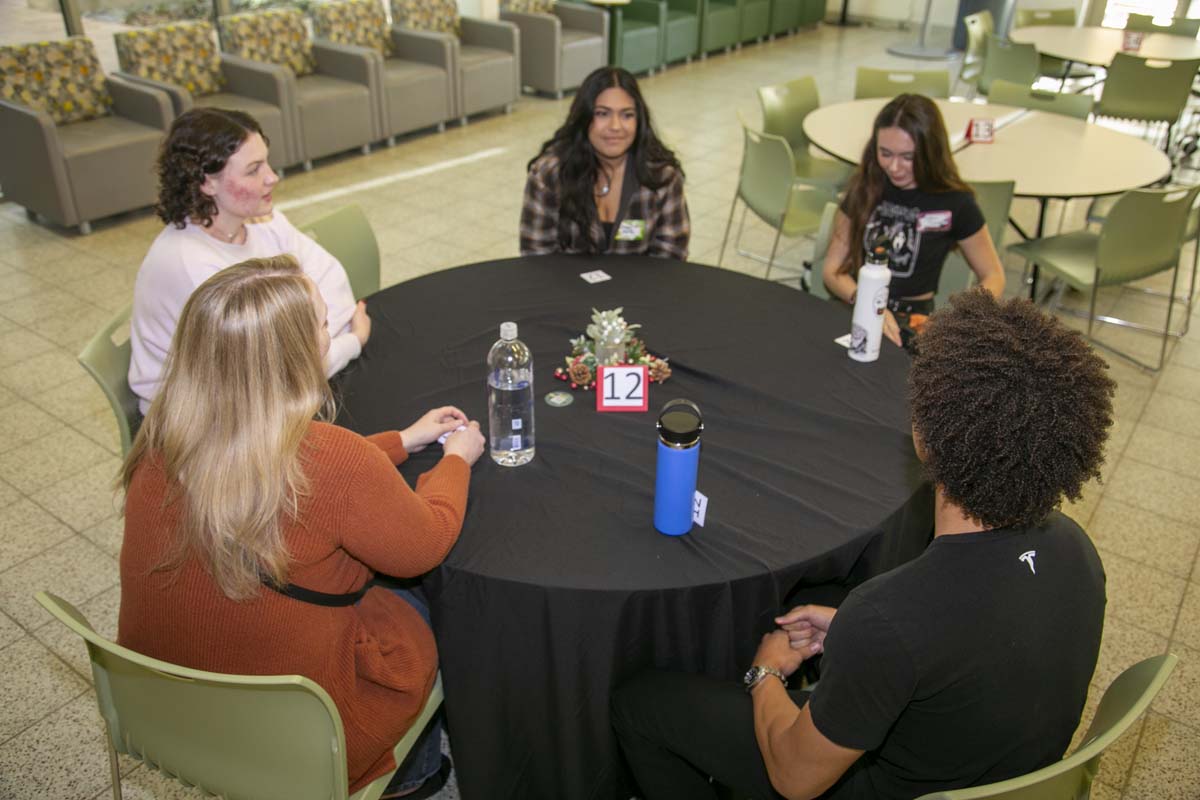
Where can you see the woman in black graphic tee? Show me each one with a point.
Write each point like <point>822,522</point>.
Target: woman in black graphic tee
<point>906,193</point>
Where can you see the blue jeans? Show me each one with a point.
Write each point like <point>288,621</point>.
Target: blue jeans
<point>425,758</point>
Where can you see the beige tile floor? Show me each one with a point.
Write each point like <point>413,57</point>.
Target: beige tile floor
<point>59,524</point>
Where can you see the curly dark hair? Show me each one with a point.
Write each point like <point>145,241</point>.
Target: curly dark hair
<point>654,163</point>
<point>199,144</point>
<point>1010,407</point>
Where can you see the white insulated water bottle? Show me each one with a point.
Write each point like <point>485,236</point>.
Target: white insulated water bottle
<point>866,329</point>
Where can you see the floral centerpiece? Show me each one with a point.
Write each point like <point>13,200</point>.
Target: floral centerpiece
<point>608,341</point>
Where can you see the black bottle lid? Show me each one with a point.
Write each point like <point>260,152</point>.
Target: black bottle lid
<point>680,422</point>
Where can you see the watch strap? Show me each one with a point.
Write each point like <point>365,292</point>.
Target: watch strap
<point>761,674</point>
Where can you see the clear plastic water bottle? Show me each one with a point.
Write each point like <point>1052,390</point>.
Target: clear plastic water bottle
<point>510,399</point>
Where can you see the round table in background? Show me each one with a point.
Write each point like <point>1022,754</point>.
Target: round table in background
<point>559,587</point>
<point>1097,46</point>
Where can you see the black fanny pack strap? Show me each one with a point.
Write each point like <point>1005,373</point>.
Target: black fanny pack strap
<point>314,597</point>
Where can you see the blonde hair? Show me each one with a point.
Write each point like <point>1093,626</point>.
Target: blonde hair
<point>241,384</point>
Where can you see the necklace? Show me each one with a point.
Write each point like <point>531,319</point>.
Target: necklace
<point>229,237</point>
<point>603,190</point>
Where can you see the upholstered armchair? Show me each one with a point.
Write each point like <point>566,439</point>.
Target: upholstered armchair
<point>487,54</point>
<point>417,72</point>
<point>78,145</point>
<point>561,44</point>
<point>183,60</point>
<point>333,86</point>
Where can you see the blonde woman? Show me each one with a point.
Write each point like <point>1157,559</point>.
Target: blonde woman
<point>252,528</point>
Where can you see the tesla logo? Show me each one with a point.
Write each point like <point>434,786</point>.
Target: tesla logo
<point>1027,557</point>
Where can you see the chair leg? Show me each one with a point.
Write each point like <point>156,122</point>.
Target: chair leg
<point>85,228</point>
<point>1187,320</point>
<point>114,765</point>
<point>1166,335</point>
<point>774,247</point>
<point>1092,309</point>
<point>441,127</point>
<point>728,225</point>
<point>737,241</point>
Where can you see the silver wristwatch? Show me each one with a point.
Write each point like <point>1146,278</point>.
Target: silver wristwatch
<point>754,676</point>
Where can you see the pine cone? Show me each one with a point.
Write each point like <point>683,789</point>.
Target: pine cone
<point>659,370</point>
<point>580,373</point>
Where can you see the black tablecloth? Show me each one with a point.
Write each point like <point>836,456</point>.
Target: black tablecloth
<point>559,586</point>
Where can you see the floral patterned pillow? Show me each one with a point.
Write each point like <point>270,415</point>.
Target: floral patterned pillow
<point>62,78</point>
<point>358,22</point>
<point>440,16</point>
<point>277,36</point>
<point>529,6</point>
<point>184,54</point>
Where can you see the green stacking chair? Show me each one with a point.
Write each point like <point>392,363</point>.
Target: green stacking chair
<point>635,35</point>
<point>766,187</point>
<point>1141,236</point>
<point>755,20</point>
<point>784,108</point>
<point>1126,699</point>
<point>1008,61</point>
<point>786,16</point>
<point>107,362</point>
<point>978,27</point>
<point>870,82</point>
<point>816,276</point>
<point>720,25</point>
<point>1178,26</point>
<point>1049,66</point>
<point>994,199</point>
<point>681,34</point>
<point>1007,93</point>
<point>242,737</point>
<point>347,235</point>
<point>1147,90</point>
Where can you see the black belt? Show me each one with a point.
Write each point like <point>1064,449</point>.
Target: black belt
<point>901,306</point>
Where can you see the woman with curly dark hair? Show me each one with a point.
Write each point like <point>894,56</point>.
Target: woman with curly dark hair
<point>907,194</point>
<point>969,664</point>
<point>605,183</point>
<point>215,197</point>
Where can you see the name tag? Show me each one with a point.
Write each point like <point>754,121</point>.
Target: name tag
<point>934,221</point>
<point>631,230</point>
<point>622,388</point>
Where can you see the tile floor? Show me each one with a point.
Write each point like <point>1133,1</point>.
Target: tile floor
<point>59,524</point>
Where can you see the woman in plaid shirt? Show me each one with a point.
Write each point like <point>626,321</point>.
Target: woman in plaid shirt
<point>604,183</point>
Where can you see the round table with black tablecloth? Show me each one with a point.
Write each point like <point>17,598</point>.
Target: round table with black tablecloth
<point>559,586</point>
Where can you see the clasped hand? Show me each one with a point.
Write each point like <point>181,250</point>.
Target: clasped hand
<point>467,443</point>
<point>801,635</point>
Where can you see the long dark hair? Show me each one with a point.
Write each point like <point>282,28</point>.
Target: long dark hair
<point>578,164</point>
<point>933,166</point>
<point>199,144</point>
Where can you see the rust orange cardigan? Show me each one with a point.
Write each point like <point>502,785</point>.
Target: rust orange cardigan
<point>377,659</point>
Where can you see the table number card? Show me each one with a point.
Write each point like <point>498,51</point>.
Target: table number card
<point>981,130</point>
<point>1131,41</point>
<point>623,388</point>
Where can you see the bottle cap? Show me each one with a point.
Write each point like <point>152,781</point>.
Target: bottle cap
<point>508,331</point>
<point>680,422</point>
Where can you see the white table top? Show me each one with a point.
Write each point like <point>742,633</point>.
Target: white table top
<point>1097,46</point>
<point>1047,155</point>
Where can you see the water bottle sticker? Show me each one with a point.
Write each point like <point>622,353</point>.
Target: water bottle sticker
<point>623,388</point>
<point>516,424</point>
<point>699,509</point>
<point>516,442</point>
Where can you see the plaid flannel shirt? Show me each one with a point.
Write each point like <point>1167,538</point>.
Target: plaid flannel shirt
<point>664,211</point>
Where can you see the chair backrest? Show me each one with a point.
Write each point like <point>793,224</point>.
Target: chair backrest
<point>869,82</point>
<point>1124,701</point>
<point>247,737</point>
<point>1009,61</point>
<point>820,248</point>
<point>1178,26</point>
<point>182,53</point>
<point>440,16</point>
<point>1147,89</point>
<point>994,199</point>
<point>275,36</point>
<point>784,107</point>
<point>1143,233</point>
<point>62,78</point>
<point>765,183</point>
<point>978,27</point>
<point>108,362</point>
<point>1043,16</point>
<point>357,22</point>
<point>347,235</point>
<point>1007,93</point>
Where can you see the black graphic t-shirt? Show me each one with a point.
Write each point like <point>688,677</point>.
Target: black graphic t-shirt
<point>920,229</point>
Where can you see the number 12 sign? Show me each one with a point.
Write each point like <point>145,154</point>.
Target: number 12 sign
<point>622,388</point>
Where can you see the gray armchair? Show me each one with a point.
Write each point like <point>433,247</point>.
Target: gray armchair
<point>334,87</point>
<point>78,146</point>
<point>416,71</point>
<point>487,54</point>
<point>182,60</point>
<point>561,43</point>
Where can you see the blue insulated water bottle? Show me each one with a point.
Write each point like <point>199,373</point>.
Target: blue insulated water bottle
<point>679,427</point>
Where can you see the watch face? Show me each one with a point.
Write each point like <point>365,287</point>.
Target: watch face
<point>752,674</point>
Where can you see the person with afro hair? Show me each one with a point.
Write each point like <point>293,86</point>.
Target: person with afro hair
<point>969,664</point>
